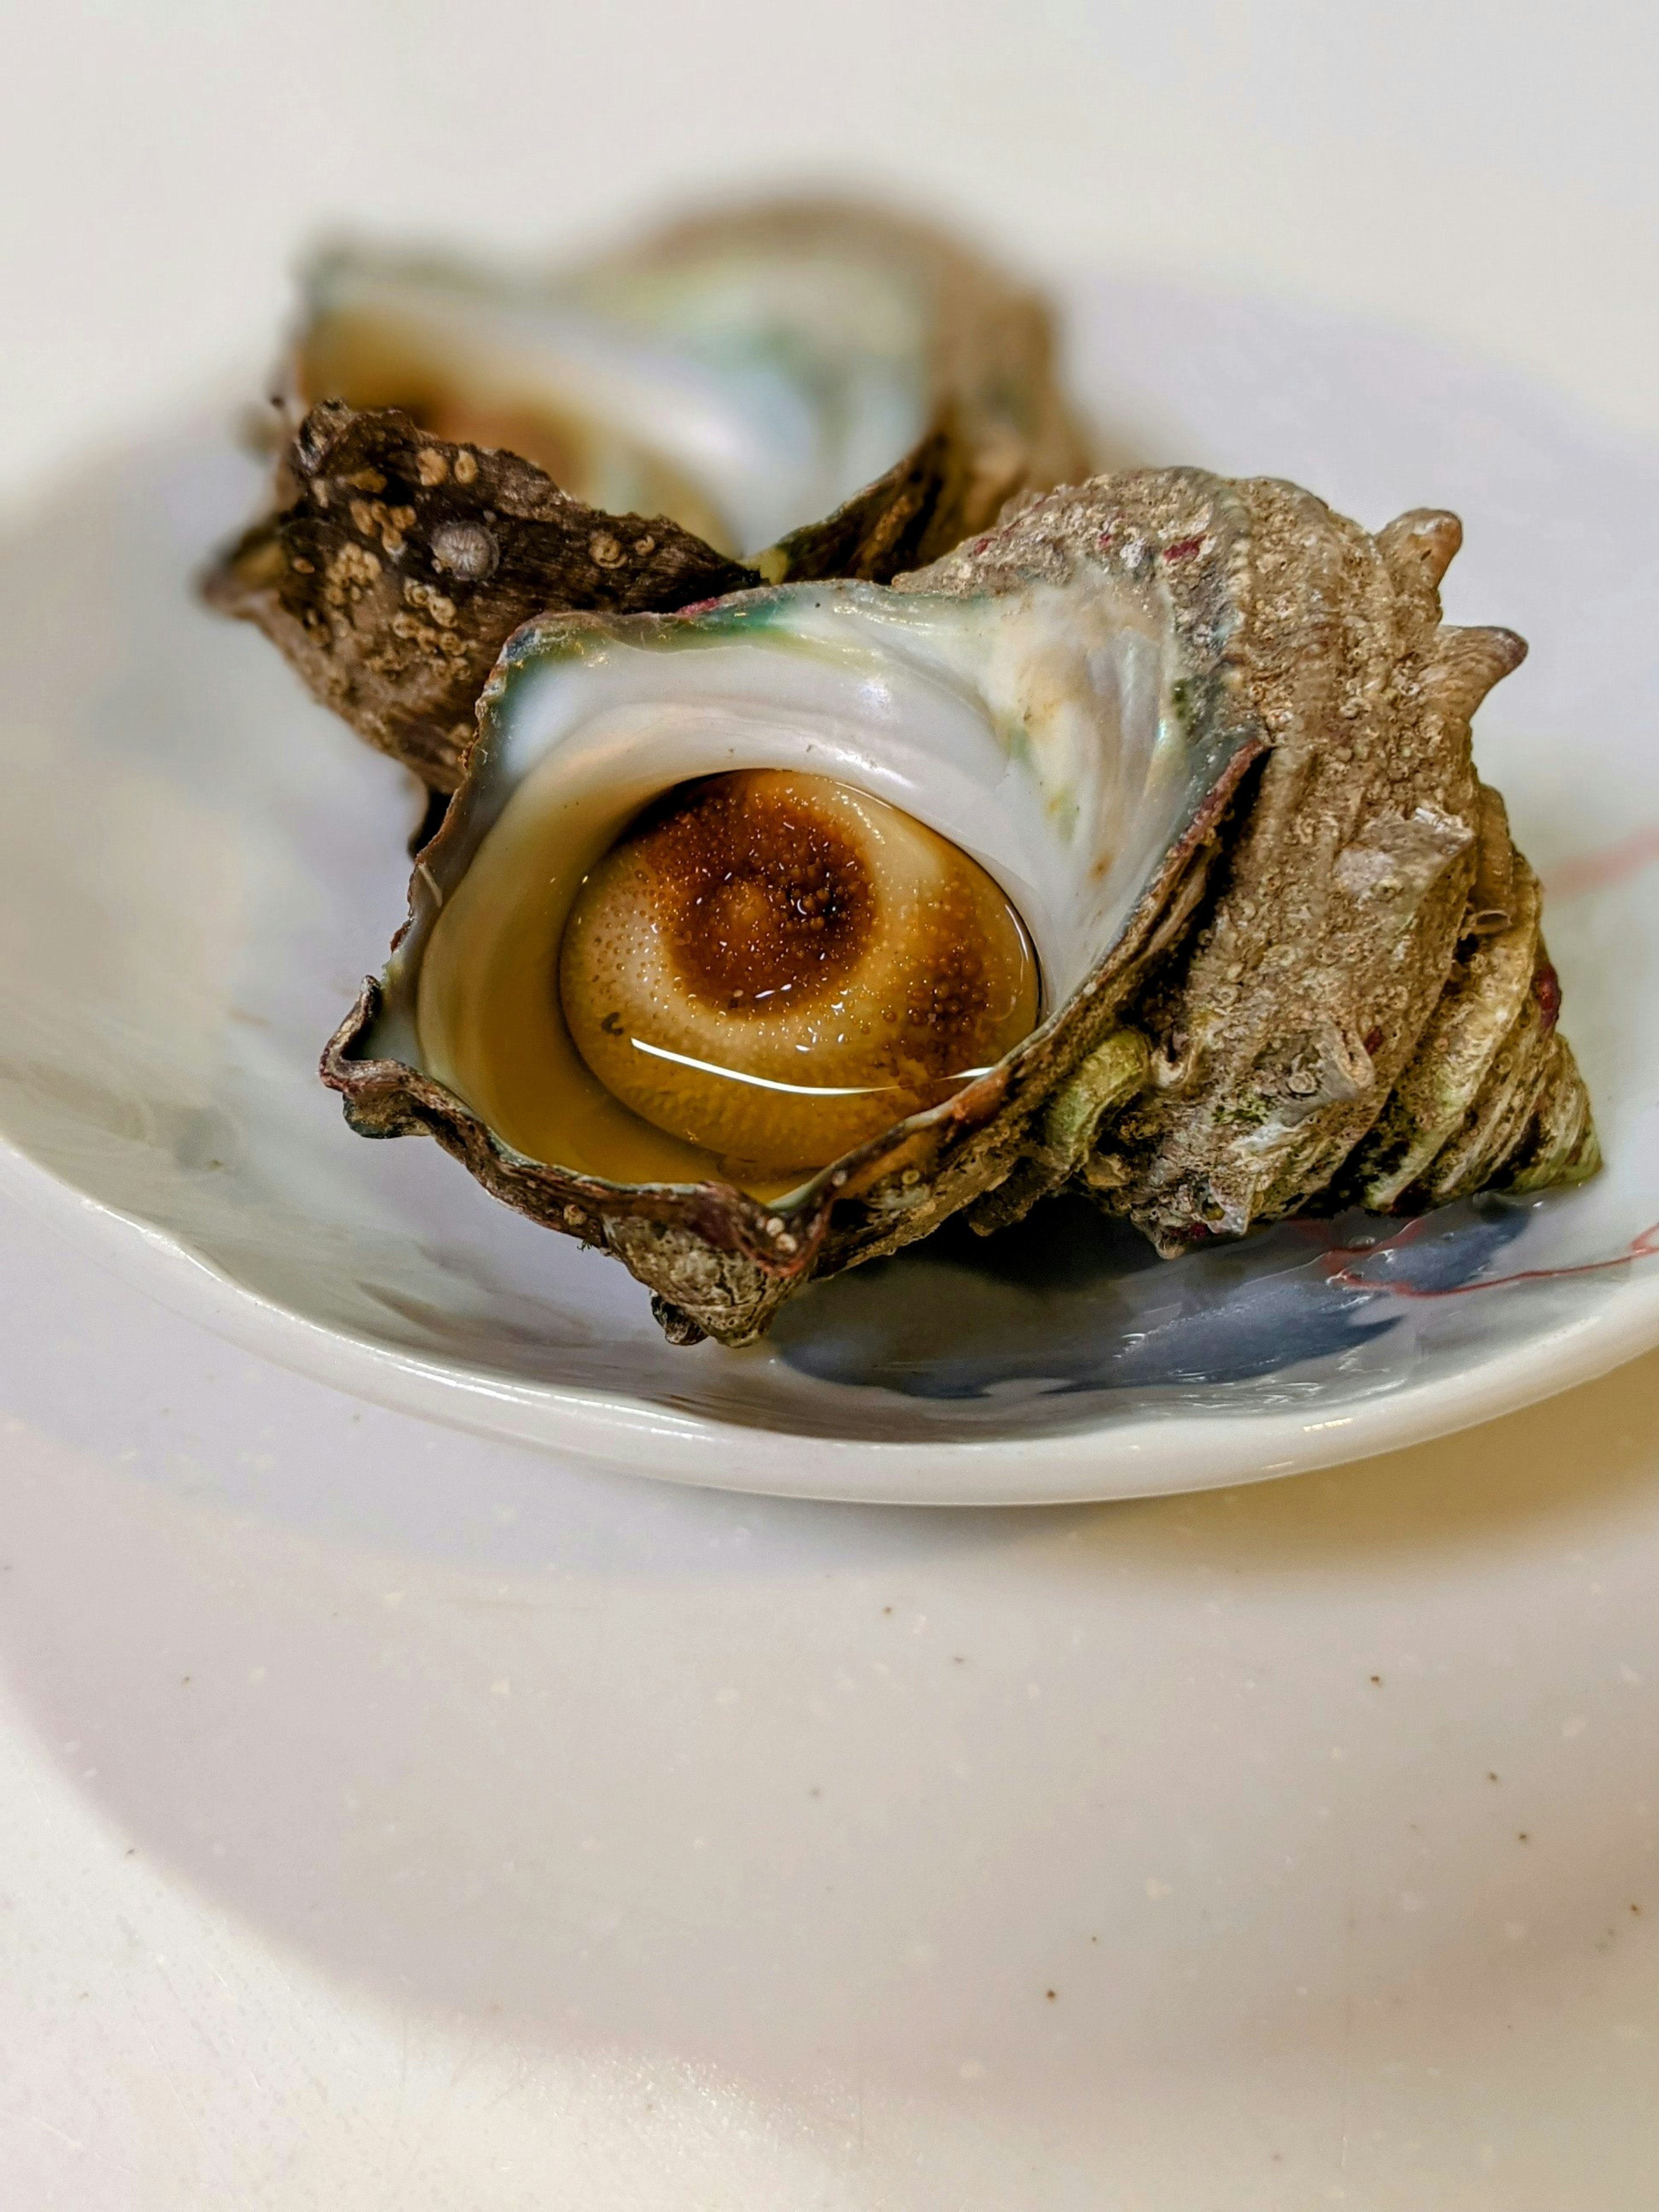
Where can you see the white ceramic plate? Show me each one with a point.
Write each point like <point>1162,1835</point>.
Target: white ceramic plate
<point>199,865</point>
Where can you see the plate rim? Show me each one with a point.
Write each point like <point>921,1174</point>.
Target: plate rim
<point>1150,1454</point>
<point>1114,1456</point>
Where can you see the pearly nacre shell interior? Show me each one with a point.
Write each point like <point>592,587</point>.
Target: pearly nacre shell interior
<point>1041,738</point>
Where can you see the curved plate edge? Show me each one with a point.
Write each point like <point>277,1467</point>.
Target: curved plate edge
<point>1140,1458</point>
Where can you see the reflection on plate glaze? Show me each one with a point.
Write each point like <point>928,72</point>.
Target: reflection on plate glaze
<point>1069,1302</point>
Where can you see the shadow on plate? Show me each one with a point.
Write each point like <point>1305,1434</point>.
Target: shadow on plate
<point>1068,1301</point>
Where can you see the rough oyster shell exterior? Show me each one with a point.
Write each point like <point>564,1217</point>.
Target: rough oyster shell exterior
<point>401,564</point>
<point>1330,987</point>
<point>719,1261</point>
<point>1366,1011</point>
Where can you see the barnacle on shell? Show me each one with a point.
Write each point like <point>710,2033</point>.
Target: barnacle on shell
<point>402,564</point>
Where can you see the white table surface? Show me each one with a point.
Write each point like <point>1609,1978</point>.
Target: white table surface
<point>392,1818</point>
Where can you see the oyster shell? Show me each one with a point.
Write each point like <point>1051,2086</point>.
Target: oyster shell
<point>848,392</point>
<point>1368,1013</point>
<point>1212,741</point>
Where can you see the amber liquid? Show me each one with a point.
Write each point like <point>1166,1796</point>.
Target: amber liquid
<point>778,967</point>
<point>716,1051</point>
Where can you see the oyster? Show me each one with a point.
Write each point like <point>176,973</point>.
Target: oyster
<point>820,390</point>
<point>1207,739</point>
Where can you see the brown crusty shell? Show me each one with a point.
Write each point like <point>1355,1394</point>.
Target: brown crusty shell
<point>1287,1018</point>
<point>1367,1012</point>
<point>402,565</point>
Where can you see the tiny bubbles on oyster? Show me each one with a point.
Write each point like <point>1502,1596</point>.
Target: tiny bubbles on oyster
<point>778,967</point>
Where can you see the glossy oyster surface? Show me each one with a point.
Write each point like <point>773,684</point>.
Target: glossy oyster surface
<point>1210,743</point>
<point>775,966</point>
<point>839,391</point>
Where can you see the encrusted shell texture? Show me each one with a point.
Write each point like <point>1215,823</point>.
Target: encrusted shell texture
<point>1327,983</point>
<point>1156,550</point>
<point>402,563</point>
<point>1367,1012</point>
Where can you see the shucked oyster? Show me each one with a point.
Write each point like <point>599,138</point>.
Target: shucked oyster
<point>1136,845</point>
<point>478,449</point>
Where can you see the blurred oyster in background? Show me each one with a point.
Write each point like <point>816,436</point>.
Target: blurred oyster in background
<point>744,373</point>
<point>792,390</point>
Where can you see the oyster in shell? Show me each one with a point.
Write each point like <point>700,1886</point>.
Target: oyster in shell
<point>1207,740</point>
<point>796,390</point>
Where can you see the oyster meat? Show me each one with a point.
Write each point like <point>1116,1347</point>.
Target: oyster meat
<point>795,390</point>
<point>1177,768</point>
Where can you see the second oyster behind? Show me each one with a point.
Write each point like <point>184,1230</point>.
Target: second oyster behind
<point>794,390</point>
<point>744,373</point>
